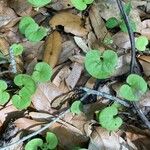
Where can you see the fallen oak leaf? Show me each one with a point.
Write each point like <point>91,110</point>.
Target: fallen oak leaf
<point>72,23</point>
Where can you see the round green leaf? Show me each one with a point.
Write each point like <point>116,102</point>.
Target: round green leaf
<point>101,65</point>
<point>23,24</point>
<point>32,28</point>
<point>38,35</point>
<point>51,140</point>
<point>76,107</point>
<point>21,102</point>
<point>4,96</point>
<point>112,22</point>
<point>34,144</point>
<point>17,49</point>
<point>25,81</point>
<point>123,27</point>
<point>42,72</point>
<point>108,119</point>
<point>79,4</point>
<point>134,89</point>
<point>39,3</point>
<point>141,42</point>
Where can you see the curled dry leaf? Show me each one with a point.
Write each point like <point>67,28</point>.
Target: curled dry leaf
<point>4,45</point>
<point>43,96</point>
<point>53,47</point>
<point>22,8</point>
<point>98,23</point>
<point>74,76</point>
<point>72,23</point>
<point>101,139</point>
<point>28,124</point>
<point>7,14</point>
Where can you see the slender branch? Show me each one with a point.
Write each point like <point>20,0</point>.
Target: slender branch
<point>106,95</point>
<point>12,61</point>
<point>36,132</point>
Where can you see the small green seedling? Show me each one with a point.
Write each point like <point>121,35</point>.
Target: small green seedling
<point>32,31</point>
<point>109,120</point>
<point>134,88</point>
<point>114,22</point>
<point>101,65</point>
<point>17,49</point>
<point>81,4</point>
<point>4,95</point>
<point>141,42</point>
<point>42,72</point>
<point>23,99</point>
<point>50,144</point>
<point>39,3</point>
<point>76,107</point>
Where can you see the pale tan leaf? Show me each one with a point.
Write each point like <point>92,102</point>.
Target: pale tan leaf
<point>53,47</point>
<point>71,23</point>
<point>43,96</point>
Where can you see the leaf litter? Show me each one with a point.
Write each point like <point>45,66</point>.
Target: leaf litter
<point>71,34</point>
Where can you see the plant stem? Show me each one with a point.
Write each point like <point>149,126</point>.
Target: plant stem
<point>106,95</point>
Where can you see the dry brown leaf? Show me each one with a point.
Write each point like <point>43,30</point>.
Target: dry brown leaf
<point>145,30</point>
<point>4,46</point>
<point>144,58</point>
<point>7,14</point>
<point>98,23</point>
<point>145,100</point>
<point>43,96</point>
<point>71,23</point>
<point>74,76</point>
<point>146,67</point>
<point>28,124</point>
<point>102,139</point>
<point>53,47</point>
<point>22,8</point>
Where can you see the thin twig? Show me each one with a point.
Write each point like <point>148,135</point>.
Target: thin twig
<point>106,95</point>
<point>36,132</point>
<point>12,61</point>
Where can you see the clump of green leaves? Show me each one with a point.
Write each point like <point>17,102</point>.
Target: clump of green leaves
<point>114,22</point>
<point>108,118</point>
<point>42,72</point>
<point>23,99</point>
<point>141,42</point>
<point>81,4</point>
<point>50,144</point>
<point>134,88</point>
<point>39,3</point>
<point>4,95</point>
<point>32,31</point>
<point>101,65</point>
<point>76,107</point>
<point>17,49</point>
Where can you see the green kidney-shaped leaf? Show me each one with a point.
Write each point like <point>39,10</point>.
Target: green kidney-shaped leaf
<point>39,3</point>
<point>76,107</point>
<point>24,23</point>
<point>79,4</point>
<point>17,49</point>
<point>26,82</point>
<point>34,144</point>
<point>51,140</point>
<point>42,72</point>
<point>101,65</point>
<point>108,119</point>
<point>38,35</point>
<point>134,89</point>
<point>112,22</point>
<point>141,42</point>
<point>4,96</point>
